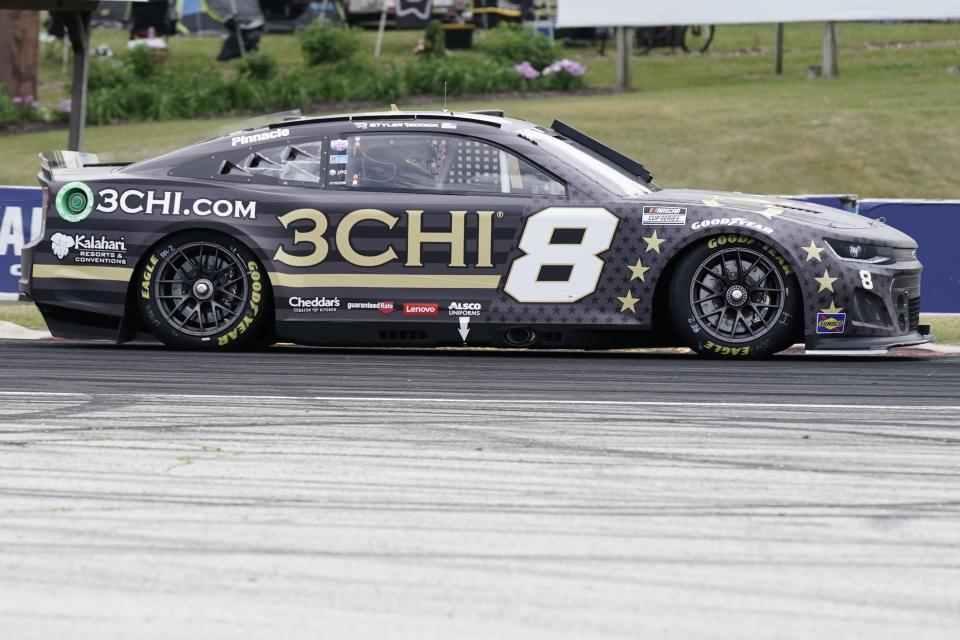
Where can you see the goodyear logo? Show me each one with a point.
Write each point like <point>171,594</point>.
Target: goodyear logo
<point>831,322</point>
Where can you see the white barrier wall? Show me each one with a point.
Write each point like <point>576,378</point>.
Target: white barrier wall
<point>641,13</point>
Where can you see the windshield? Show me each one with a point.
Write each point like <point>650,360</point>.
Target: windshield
<point>598,169</point>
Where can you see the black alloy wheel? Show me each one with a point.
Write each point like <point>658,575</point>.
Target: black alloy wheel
<point>203,291</point>
<point>736,298</point>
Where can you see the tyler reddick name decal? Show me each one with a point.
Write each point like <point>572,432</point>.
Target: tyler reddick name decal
<point>171,203</point>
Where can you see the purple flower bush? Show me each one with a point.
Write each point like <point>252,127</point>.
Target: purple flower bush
<point>561,75</point>
<point>566,65</point>
<point>527,70</point>
<point>18,109</point>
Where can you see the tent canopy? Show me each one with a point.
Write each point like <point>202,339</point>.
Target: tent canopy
<point>204,16</point>
<point>630,13</point>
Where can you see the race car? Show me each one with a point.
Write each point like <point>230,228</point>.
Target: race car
<point>449,229</point>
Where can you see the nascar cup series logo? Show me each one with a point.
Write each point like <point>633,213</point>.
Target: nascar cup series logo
<point>664,215</point>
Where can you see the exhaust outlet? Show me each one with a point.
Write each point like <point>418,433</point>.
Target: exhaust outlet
<point>520,336</point>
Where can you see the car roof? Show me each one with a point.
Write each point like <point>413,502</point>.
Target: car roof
<point>488,117</point>
<point>293,121</point>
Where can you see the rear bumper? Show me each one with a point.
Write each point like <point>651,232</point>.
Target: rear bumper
<point>26,272</point>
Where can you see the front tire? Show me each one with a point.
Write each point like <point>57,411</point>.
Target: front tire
<point>203,291</point>
<point>735,297</point>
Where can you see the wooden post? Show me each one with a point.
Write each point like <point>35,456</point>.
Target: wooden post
<point>380,30</point>
<point>778,59</point>
<point>624,56</point>
<point>19,52</point>
<point>831,67</point>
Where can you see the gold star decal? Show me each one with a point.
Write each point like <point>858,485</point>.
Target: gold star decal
<point>825,281</point>
<point>629,302</point>
<point>637,271</point>
<point>813,252</point>
<point>833,308</point>
<point>653,242</point>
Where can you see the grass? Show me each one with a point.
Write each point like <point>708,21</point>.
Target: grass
<point>886,128</point>
<point>801,40</point>
<point>946,328</point>
<point>22,313</point>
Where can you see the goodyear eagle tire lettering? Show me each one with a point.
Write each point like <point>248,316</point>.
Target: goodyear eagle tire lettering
<point>733,296</point>
<point>203,290</point>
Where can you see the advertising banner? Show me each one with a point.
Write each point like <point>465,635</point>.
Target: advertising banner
<point>21,219</point>
<point>414,14</point>
<point>935,225</point>
<point>650,13</point>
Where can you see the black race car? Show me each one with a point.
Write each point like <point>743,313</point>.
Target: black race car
<point>439,228</point>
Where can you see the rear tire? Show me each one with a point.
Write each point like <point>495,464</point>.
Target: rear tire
<point>203,291</point>
<point>735,297</point>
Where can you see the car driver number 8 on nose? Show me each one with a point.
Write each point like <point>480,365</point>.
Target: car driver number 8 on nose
<point>561,262</point>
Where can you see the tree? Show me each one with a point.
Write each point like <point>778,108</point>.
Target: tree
<point>19,32</point>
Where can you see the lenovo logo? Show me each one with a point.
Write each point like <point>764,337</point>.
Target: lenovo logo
<point>420,308</point>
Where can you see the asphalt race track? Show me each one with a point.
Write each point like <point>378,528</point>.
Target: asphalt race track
<point>295,492</point>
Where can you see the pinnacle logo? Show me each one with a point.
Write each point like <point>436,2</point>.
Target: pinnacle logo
<point>259,137</point>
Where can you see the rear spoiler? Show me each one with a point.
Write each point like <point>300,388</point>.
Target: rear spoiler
<point>53,160</point>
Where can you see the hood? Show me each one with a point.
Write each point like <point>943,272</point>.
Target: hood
<point>795,210</point>
<point>830,221</point>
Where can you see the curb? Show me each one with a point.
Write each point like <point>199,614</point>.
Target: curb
<point>11,331</point>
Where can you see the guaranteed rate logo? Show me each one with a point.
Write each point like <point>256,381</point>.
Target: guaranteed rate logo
<point>383,306</point>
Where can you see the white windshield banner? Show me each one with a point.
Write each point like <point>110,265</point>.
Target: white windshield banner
<point>643,13</point>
